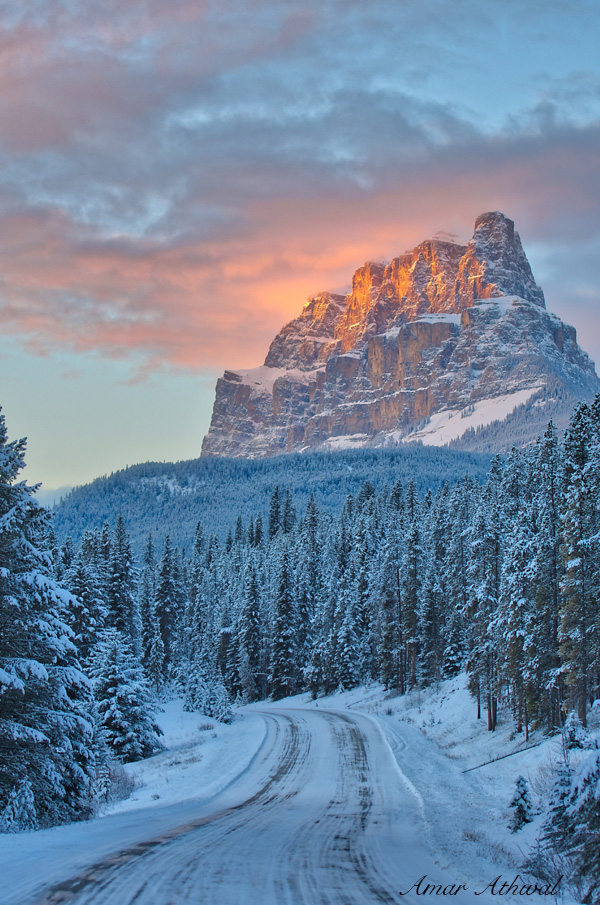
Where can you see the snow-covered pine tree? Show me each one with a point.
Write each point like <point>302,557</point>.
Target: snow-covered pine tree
<point>85,610</point>
<point>583,814</point>
<point>521,805</point>
<point>249,632</point>
<point>46,768</point>
<point>19,813</point>
<point>513,625</point>
<point>557,827</point>
<point>121,587</point>
<point>155,662</point>
<point>544,569</point>
<point>206,693</point>
<point>146,603</point>
<point>362,611</point>
<point>389,645</point>
<point>577,605</point>
<point>284,669</point>
<point>166,595</point>
<point>123,701</point>
<point>348,654</point>
<point>484,571</point>
<point>411,578</point>
<point>274,513</point>
<point>288,513</point>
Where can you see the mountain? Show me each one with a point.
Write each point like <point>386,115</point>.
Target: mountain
<point>446,344</point>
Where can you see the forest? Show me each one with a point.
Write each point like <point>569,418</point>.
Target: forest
<point>172,497</point>
<point>499,578</point>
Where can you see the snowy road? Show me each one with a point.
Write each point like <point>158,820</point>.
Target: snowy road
<point>322,815</point>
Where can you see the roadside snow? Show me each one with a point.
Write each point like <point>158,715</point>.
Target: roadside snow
<point>455,771</point>
<point>200,759</point>
<point>172,787</point>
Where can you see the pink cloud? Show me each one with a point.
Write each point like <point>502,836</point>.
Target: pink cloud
<point>207,304</point>
<point>177,178</point>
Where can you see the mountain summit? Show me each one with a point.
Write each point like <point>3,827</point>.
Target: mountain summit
<point>446,343</point>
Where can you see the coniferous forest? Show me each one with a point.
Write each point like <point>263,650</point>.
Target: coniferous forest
<point>501,579</point>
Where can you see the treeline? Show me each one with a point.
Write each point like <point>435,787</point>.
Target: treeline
<point>502,579</point>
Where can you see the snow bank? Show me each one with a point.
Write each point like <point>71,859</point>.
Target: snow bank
<point>173,787</point>
<point>200,759</point>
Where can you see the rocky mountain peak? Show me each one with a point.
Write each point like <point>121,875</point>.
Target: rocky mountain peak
<point>495,264</point>
<point>444,332</point>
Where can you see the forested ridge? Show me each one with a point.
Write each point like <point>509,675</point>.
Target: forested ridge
<point>501,579</point>
<point>171,497</point>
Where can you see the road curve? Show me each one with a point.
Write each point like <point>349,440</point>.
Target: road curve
<point>331,821</point>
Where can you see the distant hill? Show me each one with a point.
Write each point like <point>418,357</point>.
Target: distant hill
<point>173,497</point>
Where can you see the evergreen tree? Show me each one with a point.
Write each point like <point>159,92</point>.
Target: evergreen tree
<point>545,571</point>
<point>484,572</point>
<point>46,767</point>
<point>288,513</point>
<point>389,644</point>
<point>521,806</point>
<point>583,815</point>
<point>250,635</point>
<point>557,827</point>
<point>258,531</point>
<point>166,596</point>
<point>121,586</point>
<point>155,664</point>
<point>577,604</point>
<point>19,813</point>
<point>146,602</point>
<point>85,611</point>
<point>274,513</point>
<point>283,664</point>
<point>123,700</point>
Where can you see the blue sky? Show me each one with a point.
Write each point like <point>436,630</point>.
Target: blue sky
<point>177,178</point>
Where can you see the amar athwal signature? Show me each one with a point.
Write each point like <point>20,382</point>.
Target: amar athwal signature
<point>497,887</point>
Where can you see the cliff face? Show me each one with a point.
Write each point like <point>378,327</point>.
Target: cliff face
<point>444,332</point>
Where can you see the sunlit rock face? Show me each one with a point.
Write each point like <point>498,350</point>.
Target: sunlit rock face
<point>439,342</point>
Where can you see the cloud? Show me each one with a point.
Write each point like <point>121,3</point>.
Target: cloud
<point>176,179</point>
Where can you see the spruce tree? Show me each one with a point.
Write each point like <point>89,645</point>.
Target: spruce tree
<point>166,595</point>
<point>283,663</point>
<point>123,700</point>
<point>121,586</point>
<point>521,805</point>
<point>275,513</point>
<point>577,604</point>
<point>45,730</point>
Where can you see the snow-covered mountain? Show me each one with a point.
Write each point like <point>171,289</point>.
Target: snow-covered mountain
<point>434,346</point>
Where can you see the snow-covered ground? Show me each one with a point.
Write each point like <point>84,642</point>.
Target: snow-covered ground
<point>358,788</point>
<point>463,775</point>
<point>197,765</point>
<point>201,757</point>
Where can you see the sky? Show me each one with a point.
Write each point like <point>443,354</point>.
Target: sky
<point>176,178</point>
